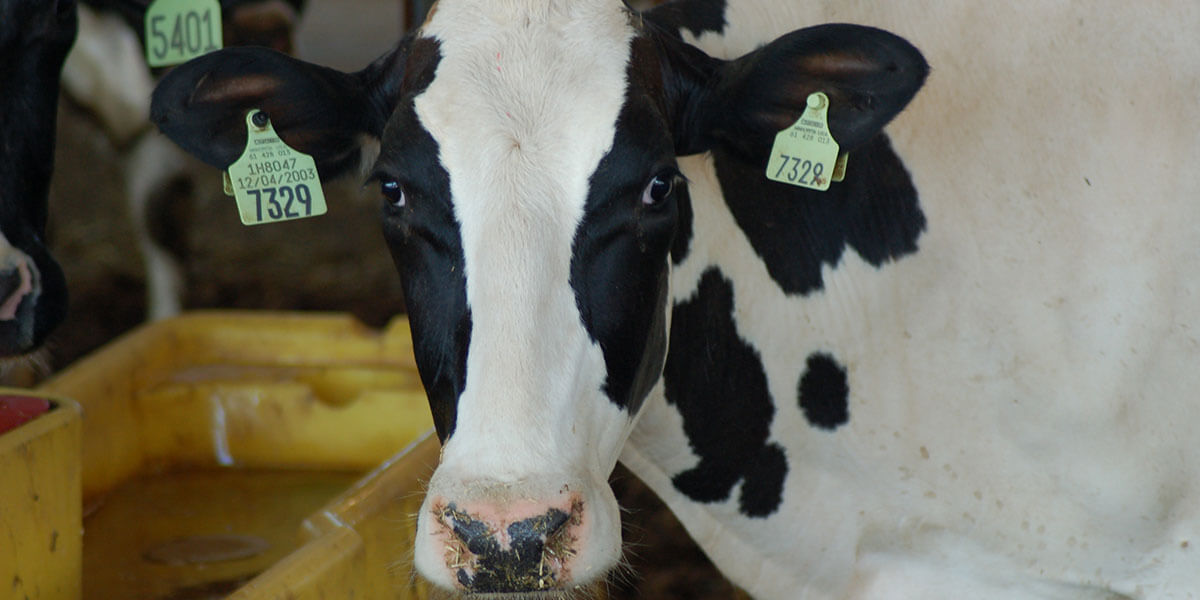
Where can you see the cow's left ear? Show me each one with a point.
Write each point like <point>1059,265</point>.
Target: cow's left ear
<point>870,75</point>
<point>202,104</point>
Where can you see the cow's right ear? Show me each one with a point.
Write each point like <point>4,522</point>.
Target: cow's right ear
<point>202,105</point>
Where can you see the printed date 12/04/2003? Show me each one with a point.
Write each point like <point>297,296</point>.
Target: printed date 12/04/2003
<point>260,179</point>
<point>280,201</point>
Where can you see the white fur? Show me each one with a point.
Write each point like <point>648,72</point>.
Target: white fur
<point>1023,389</point>
<point>524,106</point>
<point>106,71</point>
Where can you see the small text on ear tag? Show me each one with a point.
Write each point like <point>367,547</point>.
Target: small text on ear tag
<point>805,154</point>
<point>272,181</point>
<point>180,30</point>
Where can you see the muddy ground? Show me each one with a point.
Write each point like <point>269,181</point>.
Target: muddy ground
<point>338,262</point>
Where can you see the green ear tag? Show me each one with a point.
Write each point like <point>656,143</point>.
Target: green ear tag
<point>180,30</point>
<point>271,181</point>
<point>805,153</point>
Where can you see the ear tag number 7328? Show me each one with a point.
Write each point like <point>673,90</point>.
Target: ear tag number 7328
<point>272,181</point>
<point>806,154</point>
<point>180,30</point>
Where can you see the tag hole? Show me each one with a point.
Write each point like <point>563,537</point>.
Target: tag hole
<point>817,100</point>
<point>260,119</point>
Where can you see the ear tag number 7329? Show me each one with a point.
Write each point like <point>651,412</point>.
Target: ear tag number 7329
<point>180,30</point>
<point>806,154</point>
<point>272,181</point>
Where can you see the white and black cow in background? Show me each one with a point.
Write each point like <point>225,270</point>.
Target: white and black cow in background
<point>107,74</point>
<point>35,36</point>
<point>975,381</point>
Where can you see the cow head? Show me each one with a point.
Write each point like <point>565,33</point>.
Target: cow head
<point>532,203</point>
<point>35,36</point>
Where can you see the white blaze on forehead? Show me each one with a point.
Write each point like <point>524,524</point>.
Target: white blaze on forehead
<point>523,107</point>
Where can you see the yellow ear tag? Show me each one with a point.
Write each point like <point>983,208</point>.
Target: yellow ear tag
<point>271,181</point>
<point>805,154</point>
<point>180,30</point>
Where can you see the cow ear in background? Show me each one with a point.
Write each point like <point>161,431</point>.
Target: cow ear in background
<point>202,105</point>
<point>870,75</point>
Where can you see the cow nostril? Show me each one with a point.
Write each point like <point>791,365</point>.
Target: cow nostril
<point>10,282</point>
<point>15,284</point>
<point>477,535</point>
<point>537,528</point>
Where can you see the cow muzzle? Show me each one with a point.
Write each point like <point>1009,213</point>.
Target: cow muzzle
<point>522,547</point>
<point>505,539</point>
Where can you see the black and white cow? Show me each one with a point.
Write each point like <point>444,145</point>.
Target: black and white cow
<point>987,390</point>
<point>35,36</point>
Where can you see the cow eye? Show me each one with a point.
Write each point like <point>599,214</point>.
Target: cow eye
<point>393,191</point>
<point>659,189</point>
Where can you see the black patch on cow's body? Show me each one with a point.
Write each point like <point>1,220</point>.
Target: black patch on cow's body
<point>718,383</point>
<point>426,245</point>
<point>762,486</point>
<point>697,16</point>
<point>796,231</point>
<point>824,392</point>
<point>619,257</point>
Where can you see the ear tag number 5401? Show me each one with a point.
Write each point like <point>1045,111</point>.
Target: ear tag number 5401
<point>272,181</point>
<point>805,154</point>
<point>180,30</point>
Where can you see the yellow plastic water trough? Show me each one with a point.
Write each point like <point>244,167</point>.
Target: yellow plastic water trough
<point>223,454</point>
